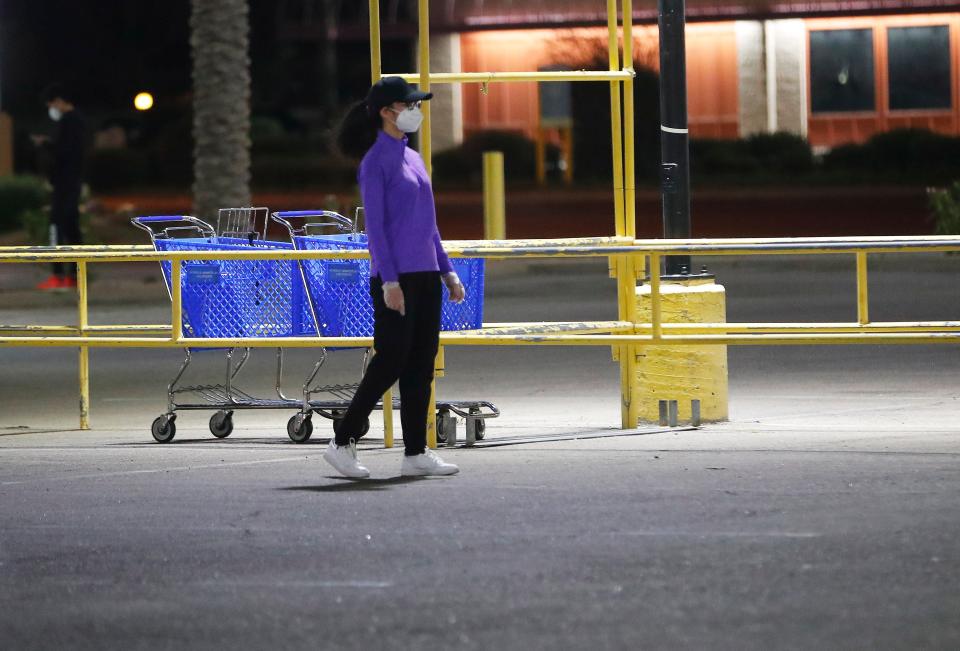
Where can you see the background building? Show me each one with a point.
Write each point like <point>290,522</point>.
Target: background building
<point>831,71</point>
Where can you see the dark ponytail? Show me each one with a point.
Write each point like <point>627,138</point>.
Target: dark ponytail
<point>358,131</point>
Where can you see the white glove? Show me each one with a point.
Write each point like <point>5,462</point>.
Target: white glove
<point>456,289</point>
<point>393,297</point>
<point>451,279</point>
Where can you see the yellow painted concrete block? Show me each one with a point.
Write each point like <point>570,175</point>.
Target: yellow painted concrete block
<point>684,373</point>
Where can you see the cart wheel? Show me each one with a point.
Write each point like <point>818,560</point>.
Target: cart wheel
<point>441,429</point>
<point>299,428</point>
<point>480,425</point>
<point>163,428</point>
<point>221,424</point>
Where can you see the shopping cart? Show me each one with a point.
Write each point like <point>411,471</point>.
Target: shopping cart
<point>338,292</point>
<point>236,299</point>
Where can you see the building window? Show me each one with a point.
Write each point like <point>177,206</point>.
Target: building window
<point>841,70</point>
<point>919,67</point>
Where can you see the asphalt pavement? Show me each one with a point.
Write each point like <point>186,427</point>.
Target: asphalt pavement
<point>823,515</point>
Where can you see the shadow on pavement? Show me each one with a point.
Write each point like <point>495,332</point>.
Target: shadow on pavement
<point>278,440</point>
<point>347,485</point>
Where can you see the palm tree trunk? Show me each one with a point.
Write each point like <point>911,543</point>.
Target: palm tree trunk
<point>219,42</point>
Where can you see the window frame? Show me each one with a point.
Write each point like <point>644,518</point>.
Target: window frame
<point>879,99</point>
<point>951,44</point>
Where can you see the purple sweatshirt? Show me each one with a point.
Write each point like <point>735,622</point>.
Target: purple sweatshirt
<point>401,220</point>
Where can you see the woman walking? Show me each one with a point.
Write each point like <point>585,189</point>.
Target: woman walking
<point>408,270</point>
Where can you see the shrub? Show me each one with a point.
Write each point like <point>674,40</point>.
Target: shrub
<point>767,154</point>
<point>902,155</point>
<point>781,153</point>
<point>20,195</point>
<point>36,223</point>
<point>721,157</point>
<point>908,150</point>
<point>945,205</point>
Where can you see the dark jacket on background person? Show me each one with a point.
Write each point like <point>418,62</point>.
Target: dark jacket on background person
<point>68,152</point>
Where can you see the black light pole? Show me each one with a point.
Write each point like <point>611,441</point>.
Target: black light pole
<point>674,147</point>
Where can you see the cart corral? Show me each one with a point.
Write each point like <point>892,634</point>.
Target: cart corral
<point>620,336</point>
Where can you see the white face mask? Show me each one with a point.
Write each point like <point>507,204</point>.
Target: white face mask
<point>55,113</point>
<point>409,119</point>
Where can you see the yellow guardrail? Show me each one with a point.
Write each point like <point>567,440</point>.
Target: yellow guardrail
<point>623,335</point>
<point>655,332</point>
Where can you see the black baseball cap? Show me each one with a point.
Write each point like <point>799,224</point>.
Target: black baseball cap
<point>393,89</point>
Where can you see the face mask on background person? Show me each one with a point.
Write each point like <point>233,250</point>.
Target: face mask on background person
<point>409,119</point>
<point>55,113</point>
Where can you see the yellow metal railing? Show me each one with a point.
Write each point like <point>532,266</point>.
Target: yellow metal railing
<point>655,332</point>
<point>625,334</point>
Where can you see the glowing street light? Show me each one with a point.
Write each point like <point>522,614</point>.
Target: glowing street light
<point>143,101</point>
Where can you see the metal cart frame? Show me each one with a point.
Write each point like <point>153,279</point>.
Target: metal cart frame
<point>237,223</point>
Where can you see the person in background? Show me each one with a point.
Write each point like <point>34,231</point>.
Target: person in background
<point>408,271</point>
<point>67,152</point>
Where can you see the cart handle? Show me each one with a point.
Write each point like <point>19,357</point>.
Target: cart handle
<point>309,213</point>
<point>143,223</point>
<point>345,224</point>
<point>162,218</point>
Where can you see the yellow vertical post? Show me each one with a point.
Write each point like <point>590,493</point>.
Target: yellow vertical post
<point>374,41</point>
<point>375,74</point>
<point>82,323</point>
<point>438,371</point>
<point>486,191</point>
<point>424,66</point>
<point>615,130</point>
<point>863,295</point>
<point>623,270</point>
<point>176,296</point>
<point>632,386</point>
<point>426,154</point>
<point>630,201</point>
<point>494,200</point>
<point>388,418</point>
<point>654,264</point>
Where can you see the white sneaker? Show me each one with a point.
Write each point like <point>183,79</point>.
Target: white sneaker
<point>344,459</point>
<point>426,464</point>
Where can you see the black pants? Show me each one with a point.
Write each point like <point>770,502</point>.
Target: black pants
<point>405,348</point>
<point>65,219</point>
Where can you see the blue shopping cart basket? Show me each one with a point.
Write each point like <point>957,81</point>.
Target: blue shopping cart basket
<point>232,298</point>
<point>340,289</point>
<point>239,298</point>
